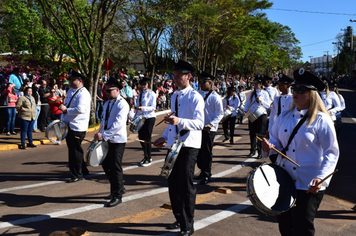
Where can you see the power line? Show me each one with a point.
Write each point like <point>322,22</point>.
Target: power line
<point>318,42</point>
<point>314,12</point>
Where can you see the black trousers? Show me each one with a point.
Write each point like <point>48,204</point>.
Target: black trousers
<point>257,127</point>
<point>299,220</point>
<point>182,190</point>
<point>44,117</point>
<point>205,156</point>
<point>113,169</point>
<point>226,123</point>
<point>77,165</point>
<point>145,133</point>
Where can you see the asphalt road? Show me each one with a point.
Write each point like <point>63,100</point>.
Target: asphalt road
<point>35,200</point>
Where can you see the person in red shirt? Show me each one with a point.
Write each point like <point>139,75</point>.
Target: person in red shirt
<point>54,103</point>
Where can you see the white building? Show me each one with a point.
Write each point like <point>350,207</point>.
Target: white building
<point>322,65</point>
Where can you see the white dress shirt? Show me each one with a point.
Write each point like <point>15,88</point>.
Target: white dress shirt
<point>78,112</point>
<point>343,106</point>
<point>116,127</point>
<point>272,92</point>
<point>264,100</point>
<point>286,102</point>
<point>314,147</point>
<point>213,110</point>
<point>234,103</point>
<point>148,104</point>
<point>332,103</point>
<point>191,117</point>
<point>242,97</point>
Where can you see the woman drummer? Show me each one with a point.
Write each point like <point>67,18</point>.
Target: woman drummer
<point>231,102</point>
<point>146,107</point>
<point>314,147</point>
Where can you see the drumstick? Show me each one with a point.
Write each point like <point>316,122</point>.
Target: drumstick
<point>163,119</point>
<point>324,179</point>
<point>143,141</point>
<point>280,153</point>
<point>84,139</point>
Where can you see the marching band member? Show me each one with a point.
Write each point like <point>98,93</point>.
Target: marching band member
<point>242,97</point>
<point>334,87</point>
<point>256,98</point>
<point>186,125</point>
<point>331,100</point>
<point>213,112</point>
<point>76,115</point>
<point>272,91</point>
<point>114,132</point>
<point>314,147</point>
<point>231,102</point>
<point>283,101</point>
<point>146,107</point>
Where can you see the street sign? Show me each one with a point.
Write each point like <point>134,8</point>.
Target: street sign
<point>108,64</point>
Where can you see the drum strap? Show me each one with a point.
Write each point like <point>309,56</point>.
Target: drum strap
<point>206,96</point>
<point>227,101</point>
<point>279,106</point>
<point>107,113</point>
<point>73,96</point>
<point>239,99</point>
<point>295,130</point>
<point>140,103</point>
<point>182,132</point>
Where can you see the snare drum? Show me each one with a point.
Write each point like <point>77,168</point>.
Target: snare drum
<point>271,189</point>
<point>240,111</point>
<point>137,124</point>
<point>257,113</point>
<point>171,158</point>
<point>227,115</point>
<point>56,131</point>
<point>97,152</point>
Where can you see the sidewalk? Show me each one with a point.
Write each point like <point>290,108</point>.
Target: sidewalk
<point>14,141</point>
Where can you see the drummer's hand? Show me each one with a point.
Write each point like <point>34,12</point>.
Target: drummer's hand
<point>266,146</point>
<point>315,187</point>
<point>140,108</point>
<point>244,114</point>
<point>63,108</point>
<point>159,142</point>
<point>98,136</point>
<point>228,107</point>
<point>258,99</point>
<point>172,120</point>
<point>207,128</point>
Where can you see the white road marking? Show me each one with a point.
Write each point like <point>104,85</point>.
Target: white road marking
<point>100,205</point>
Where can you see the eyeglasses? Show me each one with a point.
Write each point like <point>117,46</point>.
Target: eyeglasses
<point>203,81</point>
<point>109,90</point>
<point>299,90</point>
<point>53,91</point>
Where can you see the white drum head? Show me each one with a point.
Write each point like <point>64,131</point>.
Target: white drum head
<point>97,153</point>
<point>56,131</point>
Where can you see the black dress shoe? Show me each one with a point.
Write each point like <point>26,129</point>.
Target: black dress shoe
<point>231,141</point>
<point>251,154</point>
<point>259,156</point>
<point>185,233</point>
<point>114,202</point>
<point>23,147</point>
<point>31,146</point>
<point>204,181</point>
<point>175,225</point>
<point>72,180</point>
<point>225,139</point>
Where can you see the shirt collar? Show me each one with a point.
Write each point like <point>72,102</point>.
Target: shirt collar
<point>300,113</point>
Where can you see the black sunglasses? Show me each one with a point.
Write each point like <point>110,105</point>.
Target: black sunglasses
<point>109,90</point>
<point>299,90</point>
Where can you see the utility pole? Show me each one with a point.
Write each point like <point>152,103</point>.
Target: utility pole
<point>351,48</point>
<point>311,67</point>
<point>337,59</point>
<point>327,61</point>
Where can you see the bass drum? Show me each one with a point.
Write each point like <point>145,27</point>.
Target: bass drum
<point>257,113</point>
<point>97,152</point>
<point>137,124</point>
<point>56,131</point>
<point>227,115</point>
<point>171,158</point>
<point>271,189</point>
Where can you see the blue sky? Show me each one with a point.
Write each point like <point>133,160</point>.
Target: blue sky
<point>314,28</point>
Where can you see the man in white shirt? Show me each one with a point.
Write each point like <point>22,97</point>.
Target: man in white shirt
<point>76,110</point>
<point>113,131</point>
<point>258,99</point>
<point>186,126</point>
<point>242,97</point>
<point>213,113</point>
<point>272,91</point>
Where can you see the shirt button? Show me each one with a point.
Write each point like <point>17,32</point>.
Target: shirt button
<point>293,115</point>
<point>294,168</point>
<point>285,130</point>
<point>169,129</point>
<point>179,105</point>
<point>301,115</point>
<point>284,165</point>
<point>293,150</point>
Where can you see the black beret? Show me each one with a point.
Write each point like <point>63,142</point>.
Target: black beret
<point>285,78</point>
<point>77,75</point>
<point>206,76</point>
<point>145,80</point>
<point>259,78</point>
<point>114,82</point>
<point>231,88</point>
<point>183,66</point>
<point>308,79</point>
